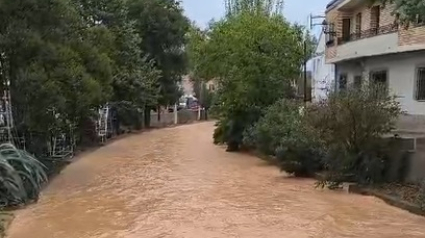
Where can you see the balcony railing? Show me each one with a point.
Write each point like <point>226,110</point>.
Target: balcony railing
<point>368,33</point>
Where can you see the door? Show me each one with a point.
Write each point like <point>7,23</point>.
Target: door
<point>358,25</point>
<point>375,15</point>
<point>346,26</point>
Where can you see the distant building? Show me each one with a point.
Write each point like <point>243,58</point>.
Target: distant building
<point>322,74</point>
<point>187,86</point>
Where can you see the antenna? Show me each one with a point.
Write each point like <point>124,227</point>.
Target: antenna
<point>312,23</point>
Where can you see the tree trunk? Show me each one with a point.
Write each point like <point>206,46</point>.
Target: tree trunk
<point>147,117</point>
<point>232,146</point>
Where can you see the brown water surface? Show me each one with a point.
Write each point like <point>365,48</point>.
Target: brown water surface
<point>176,183</point>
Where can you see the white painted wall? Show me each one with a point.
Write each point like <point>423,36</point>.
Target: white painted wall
<point>323,75</point>
<point>372,46</point>
<point>351,69</point>
<point>401,73</point>
<point>402,78</point>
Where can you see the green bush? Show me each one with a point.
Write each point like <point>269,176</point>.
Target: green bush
<point>284,133</point>
<point>352,124</point>
<point>229,131</point>
<point>253,58</point>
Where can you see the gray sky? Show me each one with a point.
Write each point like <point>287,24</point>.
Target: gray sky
<point>202,11</point>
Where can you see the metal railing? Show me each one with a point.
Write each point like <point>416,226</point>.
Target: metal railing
<point>368,33</point>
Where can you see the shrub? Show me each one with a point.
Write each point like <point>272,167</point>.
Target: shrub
<point>420,199</point>
<point>22,176</point>
<point>230,132</point>
<point>352,124</point>
<point>283,133</point>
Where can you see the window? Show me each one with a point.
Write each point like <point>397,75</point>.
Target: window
<point>375,15</point>
<point>379,79</point>
<point>342,82</point>
<point>358,25</point>
<point>420,84</point>
<point>358,81</point>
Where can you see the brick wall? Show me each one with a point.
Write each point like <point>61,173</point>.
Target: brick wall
<point>330,52</point>
<point>386,18</point>
<point>411,36</point>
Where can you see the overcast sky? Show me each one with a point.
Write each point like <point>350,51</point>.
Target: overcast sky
<point>202,11</point>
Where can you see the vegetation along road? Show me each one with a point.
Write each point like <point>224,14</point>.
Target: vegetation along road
<point>176,183</point>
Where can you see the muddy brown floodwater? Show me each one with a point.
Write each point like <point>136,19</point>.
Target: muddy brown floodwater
<point>176,183</point>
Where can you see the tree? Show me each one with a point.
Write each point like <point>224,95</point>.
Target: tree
<point>163,27</point>
<point>234,7</point>
<point>195,50</point>
<point>204,95</point>
<point>56,75</point>
<point>254,56</point>
<point>133,74</point>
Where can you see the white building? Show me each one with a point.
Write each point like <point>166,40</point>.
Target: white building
<point>367,45</point>
<point>323,74</point>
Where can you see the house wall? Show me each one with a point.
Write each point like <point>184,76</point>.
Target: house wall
<point>402,77</point>
<point>351,69</point>
<point>382,44</point>
<point>401,70</point>
<point>323,76</point>
<point>402,40</point>
<point>417,162</point>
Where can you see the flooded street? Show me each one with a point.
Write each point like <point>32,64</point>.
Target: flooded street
<point>175,183</point>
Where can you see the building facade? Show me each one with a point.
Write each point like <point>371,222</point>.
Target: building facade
<point>322,73</point>
<point>367,45</point>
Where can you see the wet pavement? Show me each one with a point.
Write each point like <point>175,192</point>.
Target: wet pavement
<point>175,183</point>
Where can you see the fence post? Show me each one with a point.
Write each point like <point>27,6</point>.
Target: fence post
<point>176,119</point>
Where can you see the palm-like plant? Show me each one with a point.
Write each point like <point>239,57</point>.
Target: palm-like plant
<point>21,176</point>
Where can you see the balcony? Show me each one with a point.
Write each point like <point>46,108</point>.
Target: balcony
<point>370,42</point>
<point>344,5</point>
<point>372,32</point>
<point>349,5</point>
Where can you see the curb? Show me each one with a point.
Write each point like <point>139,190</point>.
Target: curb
<point>357,189</point>
<point>391,200</point>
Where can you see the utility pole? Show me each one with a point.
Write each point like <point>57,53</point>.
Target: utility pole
<point>176,119</point>
<point>311,25</point>
<point>201,100</point>
<point>305,70</point>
